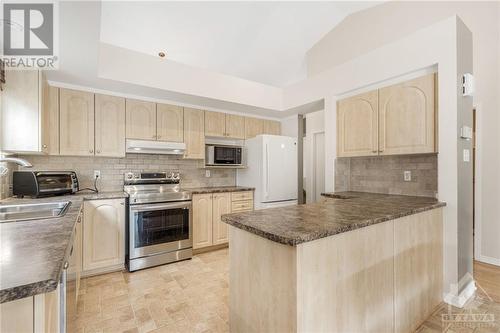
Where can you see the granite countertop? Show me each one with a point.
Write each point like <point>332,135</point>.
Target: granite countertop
<point>340,212</point>
<point>33,252</point>
<point>219,189</point>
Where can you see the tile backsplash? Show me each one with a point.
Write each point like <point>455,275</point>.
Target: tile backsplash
<point>6,179</point>
<point>385,174</point>
<point>113,169</point>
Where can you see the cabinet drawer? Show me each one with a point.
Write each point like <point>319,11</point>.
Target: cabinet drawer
<point>241,206</point>
<point>238,196</point>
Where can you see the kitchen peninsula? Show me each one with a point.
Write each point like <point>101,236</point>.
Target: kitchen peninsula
<point>354,262</point>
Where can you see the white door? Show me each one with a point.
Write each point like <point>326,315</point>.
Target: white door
<point>319,165</point>
<point>280,168</point>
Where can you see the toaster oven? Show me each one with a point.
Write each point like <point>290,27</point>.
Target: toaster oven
<point>44,183</point>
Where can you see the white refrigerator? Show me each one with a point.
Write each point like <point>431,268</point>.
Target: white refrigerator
<point>271,167</point>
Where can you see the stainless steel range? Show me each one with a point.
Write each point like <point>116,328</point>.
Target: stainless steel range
<point>160,223</point>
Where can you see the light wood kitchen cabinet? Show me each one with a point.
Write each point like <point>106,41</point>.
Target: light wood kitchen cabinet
<point>407,117</point>
<point>215,124</point>
<point>235,126</point>
<point>109,126</point>
<point>103,234</point>
<point>253,127</point>
<point>17,316</point>
<point>50,120</point>
<point>398,119</point>
<point>75,261</point>
<point>194,133</point>
<point>208,228</point>
<point>357,125</point>
<point>221,205</point>
<point>140,120</point>
<point>272,127</point>
<point>169,123</point>
<point>202,220</point>
<point>76,117</point>
<point>21,106</point>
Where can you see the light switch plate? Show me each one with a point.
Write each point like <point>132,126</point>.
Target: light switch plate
<point>466,155</point>
<point>466,132</point>
<point>97,174</point>
<point>407,176</point>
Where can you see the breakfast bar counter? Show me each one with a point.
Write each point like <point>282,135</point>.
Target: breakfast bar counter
<point>359,262</point>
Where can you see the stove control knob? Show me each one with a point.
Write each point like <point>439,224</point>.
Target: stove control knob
<point>129,175</point>
<point>176,175</point>
<point>169,175</point>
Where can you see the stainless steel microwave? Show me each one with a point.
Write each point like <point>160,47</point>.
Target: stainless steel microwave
<point>223,155</point>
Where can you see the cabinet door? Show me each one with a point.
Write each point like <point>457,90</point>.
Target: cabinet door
<point>194,133</point>
<point>407,117</point>
<point>20,112</point>
<point>76,122</point>
<point>272,127</point>
<point>202,220</point>
<point>103,234</point>
<point>17,316</point>
<point>169,123</point>
<point>221,205</point>
<point>253,127</point>
<point>215,124</point>
<point>357,125</point>
<point>50,120</point>
<point>109,126</point>
<point>235,126</point>
<point>140,120</point>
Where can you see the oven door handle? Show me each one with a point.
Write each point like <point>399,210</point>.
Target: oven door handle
<point>144,208</point>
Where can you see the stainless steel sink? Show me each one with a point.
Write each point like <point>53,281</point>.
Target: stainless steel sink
<point>23,212</point>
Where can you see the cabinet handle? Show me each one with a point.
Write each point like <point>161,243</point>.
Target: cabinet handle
<point>98,151</point>
<point>91,150</point>
<point>44,146</point>
<point>374,151</point>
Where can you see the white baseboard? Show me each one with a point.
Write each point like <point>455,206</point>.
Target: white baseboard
<point>488,260</point>
<point>460,300</point>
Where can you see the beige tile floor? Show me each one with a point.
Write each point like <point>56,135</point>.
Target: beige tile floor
<point>188,296</point>
<point>192,296</point>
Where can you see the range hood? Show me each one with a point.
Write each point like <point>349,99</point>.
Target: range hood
<point>155,147</point>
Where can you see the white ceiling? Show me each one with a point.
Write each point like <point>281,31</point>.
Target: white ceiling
<point>260,41</point>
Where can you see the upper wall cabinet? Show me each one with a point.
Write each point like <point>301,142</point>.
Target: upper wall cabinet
<point>21,112</point>
<point>140,120</point>
<point>219,124</point>
<point>407,117</point>
<point>253,127</point>
<point>50,120</point>
<point>109,125</point>
<point>169,123</point>
<point>76,117</point>
<point>215,124</point>
<point>357,125</point>
<point>272,127</point>
<point>194,133</point>
<point>399,119</point>
<point>235,126</point>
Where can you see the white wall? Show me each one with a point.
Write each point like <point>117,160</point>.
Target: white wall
<point>315,123</point>
<point>395,19</point>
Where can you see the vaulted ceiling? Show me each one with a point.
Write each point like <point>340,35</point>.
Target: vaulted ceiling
<point>264,42</point>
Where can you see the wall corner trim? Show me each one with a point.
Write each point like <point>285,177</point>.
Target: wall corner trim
<point>460,300</point>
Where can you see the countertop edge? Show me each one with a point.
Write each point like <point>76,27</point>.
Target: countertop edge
<point>312,237</point>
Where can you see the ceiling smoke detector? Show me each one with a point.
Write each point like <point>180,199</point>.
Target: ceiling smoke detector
<point>161,54</point>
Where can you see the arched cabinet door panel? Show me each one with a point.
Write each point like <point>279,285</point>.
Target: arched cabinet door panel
<point>202,220</point>
<point>221,205</point>
<point>407,117</point>
<point>103,234</point>
<point>357,125</point>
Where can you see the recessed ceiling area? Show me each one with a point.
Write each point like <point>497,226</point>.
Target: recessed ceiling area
<point>264,42</point>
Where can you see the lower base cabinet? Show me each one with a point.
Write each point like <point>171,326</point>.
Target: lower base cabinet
<point>208,229</point>
<point>103,234</point>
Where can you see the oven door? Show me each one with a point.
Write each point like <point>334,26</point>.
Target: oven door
<point>158,228</point>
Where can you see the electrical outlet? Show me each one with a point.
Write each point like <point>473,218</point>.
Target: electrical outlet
<point>407,175</point>
<point>207,173</point>
<point>97,174</point>
<point>466,155</point>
